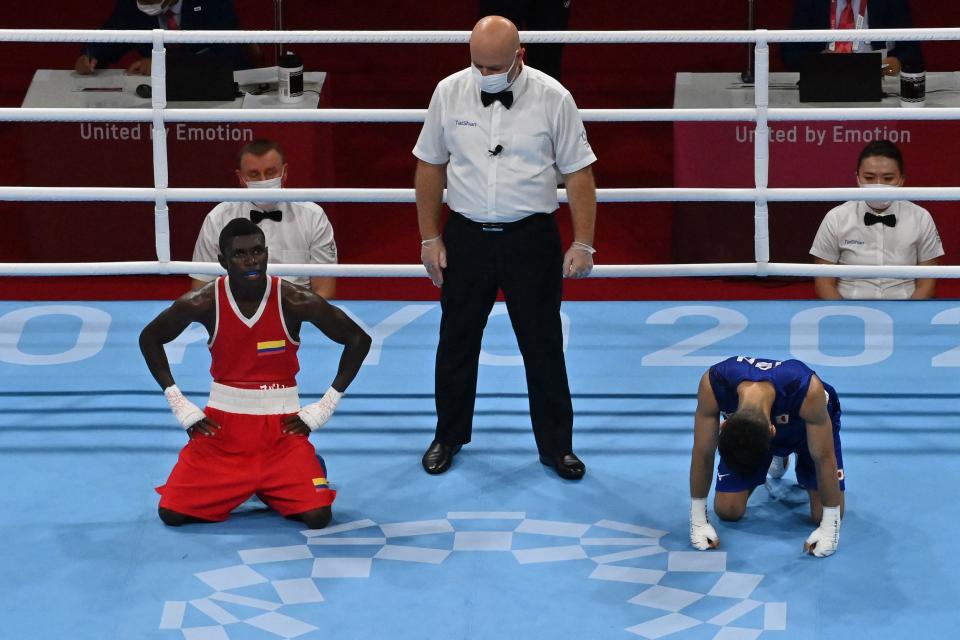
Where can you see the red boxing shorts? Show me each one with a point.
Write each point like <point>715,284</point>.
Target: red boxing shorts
<point>248,455</point>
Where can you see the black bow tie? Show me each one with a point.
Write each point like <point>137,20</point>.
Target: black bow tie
<point>257,216</point>
<point>505,98</point>
<point>889,219</point>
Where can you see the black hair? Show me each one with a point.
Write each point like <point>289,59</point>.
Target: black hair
<point>883,148</point>
<point>744,441</point>
<point>261,147</point>
<point>234,228</point>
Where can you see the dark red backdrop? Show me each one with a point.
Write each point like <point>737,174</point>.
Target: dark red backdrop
<point>599,76</point>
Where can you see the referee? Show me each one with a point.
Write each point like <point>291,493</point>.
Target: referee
<point>498,135</point>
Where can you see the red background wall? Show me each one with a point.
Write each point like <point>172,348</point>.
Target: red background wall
<point>599,76</point>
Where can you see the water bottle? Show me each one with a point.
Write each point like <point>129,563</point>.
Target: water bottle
<point>290,78</point>
<point>913,86</point>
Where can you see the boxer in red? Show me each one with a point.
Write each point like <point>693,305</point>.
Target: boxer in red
<point>252,436</point>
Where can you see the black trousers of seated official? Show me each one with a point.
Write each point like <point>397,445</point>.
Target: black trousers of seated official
<point>525,261</point>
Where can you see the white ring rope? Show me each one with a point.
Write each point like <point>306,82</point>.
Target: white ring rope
<point>761,115</point>
<point>727,269</point>
<point>73,114</point>
<point>639,194</point>
<point>141,36</point>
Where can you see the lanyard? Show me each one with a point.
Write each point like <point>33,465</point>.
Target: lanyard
<point>858,23</point>
<point>861,13</point>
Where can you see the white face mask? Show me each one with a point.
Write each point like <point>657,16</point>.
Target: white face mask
<point>878,205</point>
<point>151,9</point>
<point>272,183</point>
<point>494,83</point>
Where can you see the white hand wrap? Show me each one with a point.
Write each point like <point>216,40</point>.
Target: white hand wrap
<point>778,466</point>
<point>316,414</point>
<point>186,413</point>
<point>702,533</point>
<point>824,541</point>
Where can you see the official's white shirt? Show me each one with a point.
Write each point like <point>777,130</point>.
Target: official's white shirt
<point>177,9</point>
<point>841,4</point>
<point>540,135</point>
<point>861,45</point>
<point>844,238</point>
<point>304,235</point>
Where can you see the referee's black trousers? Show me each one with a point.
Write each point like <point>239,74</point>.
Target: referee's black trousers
<point>524,259</point>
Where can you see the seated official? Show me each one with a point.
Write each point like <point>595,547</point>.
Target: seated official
<point>191,15</point>
<point>851,14</point>
<point>877,232</point>
<point>296,232</point>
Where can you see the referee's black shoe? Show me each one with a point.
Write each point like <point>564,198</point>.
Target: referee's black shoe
<point>567,466</point>
<point>439,457</point>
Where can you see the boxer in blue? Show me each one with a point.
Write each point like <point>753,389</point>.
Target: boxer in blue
<point>770,408</point>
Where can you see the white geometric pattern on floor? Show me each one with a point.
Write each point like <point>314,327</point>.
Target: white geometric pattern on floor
<point>730,588</point>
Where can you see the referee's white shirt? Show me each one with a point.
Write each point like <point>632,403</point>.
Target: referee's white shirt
<point>843,238</point>
<point>541,134</point>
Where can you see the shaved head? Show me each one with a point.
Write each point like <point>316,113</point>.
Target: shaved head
<point>493,44</point>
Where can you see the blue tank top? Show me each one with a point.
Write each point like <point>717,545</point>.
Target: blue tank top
<point>790,380</point>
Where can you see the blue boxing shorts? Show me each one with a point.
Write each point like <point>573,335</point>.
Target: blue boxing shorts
<point>806,470</point>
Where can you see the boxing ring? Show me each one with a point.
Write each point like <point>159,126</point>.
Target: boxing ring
<point>498,546</point>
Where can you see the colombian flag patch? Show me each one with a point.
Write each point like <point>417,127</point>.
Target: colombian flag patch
<point>271,346</point>
<point>320,484</point>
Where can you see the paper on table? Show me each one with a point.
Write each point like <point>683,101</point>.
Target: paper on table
<point>259,75</point>
<point>86,83</point>
<point>269,99</point>
<point>260,89</point>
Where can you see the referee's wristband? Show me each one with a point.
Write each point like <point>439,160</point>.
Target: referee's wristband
<point>583,246</point>
<point>424,243</point>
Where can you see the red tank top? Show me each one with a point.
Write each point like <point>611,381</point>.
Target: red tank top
<point>252,353</point>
